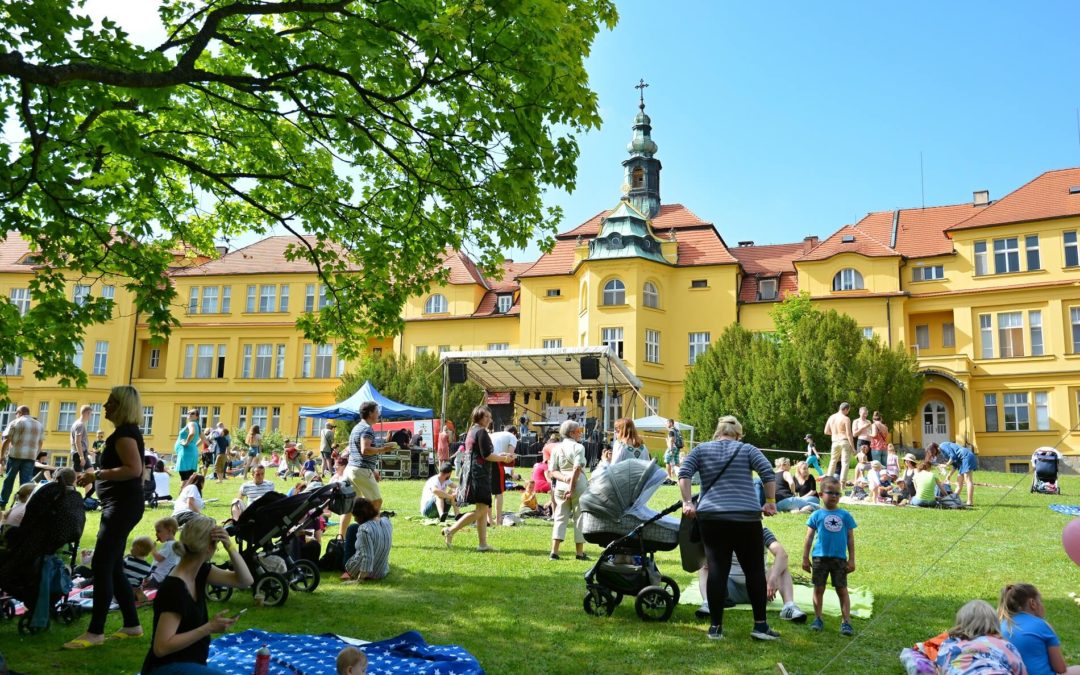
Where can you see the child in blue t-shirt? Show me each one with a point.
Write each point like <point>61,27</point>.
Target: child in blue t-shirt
<point>834,552</point>
<point>1023,623</point>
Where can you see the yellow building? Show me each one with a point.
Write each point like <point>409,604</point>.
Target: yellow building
<point>986,293</point>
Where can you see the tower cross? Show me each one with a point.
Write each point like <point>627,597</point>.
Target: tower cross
<point>640,86</point>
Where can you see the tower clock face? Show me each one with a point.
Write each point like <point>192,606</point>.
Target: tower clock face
<point>626,188</point>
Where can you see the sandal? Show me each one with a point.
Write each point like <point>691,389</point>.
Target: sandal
<point>121,635</point>
<point>448,536</point>
<point>81,643</point>
<point>484,549</point>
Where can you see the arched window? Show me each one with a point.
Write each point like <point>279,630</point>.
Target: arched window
<point>650,297</point>
<point>847,279</point>
<point>583,300</point>
<point>614,293</point>
<point>436,304</point>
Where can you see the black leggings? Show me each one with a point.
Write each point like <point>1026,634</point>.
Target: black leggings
<point>184,475</point>
<point>746,539</point>
<point>117,522</point>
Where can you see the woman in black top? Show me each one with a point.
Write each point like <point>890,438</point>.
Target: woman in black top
<point>805,483</point>
<point>119,488</point>
<point>476,478</point>
<point>182,627</point>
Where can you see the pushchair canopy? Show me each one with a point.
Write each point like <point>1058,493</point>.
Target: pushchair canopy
<point>625,488</point>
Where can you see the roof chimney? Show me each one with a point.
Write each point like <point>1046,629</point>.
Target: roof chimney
<point>808,243</point>
<point>980,197</point>
<point>745,243</point>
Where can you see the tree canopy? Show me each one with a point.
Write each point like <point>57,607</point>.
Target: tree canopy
<point>784,385</point>
<point>413,382</point>
<point>378,132</point>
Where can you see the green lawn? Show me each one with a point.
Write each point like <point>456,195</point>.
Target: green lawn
<point>518,612</point>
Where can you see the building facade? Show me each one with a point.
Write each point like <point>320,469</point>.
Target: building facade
<point>986,294</point>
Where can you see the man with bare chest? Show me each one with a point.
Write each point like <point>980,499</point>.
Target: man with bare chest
<point>838,427</point>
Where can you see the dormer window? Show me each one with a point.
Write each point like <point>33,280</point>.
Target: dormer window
<point>847,280</point>
<point>504,302</point>
<point>614,293</point>
<point>436,304</point>
<point>847,239</point>
<point>766,289</point>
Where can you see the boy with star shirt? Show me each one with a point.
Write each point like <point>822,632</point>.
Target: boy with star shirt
<point>834,552</point>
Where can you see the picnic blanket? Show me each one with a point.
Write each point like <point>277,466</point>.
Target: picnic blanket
<point>316,654</point>
<point>76,597</point>
<point>1066,509</point>
<point>862,600</point>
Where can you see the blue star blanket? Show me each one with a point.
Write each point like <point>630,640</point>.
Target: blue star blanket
<point>316,654</point>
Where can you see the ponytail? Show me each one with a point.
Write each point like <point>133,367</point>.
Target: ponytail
<point>1015,599</point>
<point>194,537</point>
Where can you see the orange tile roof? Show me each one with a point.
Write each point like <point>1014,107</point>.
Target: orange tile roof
<point>1046,196</point>
<point>560,260</point>
<point>266,256</point>
<point>748,290</point>
<point>510,271</point>
<point>671,216</point>
<point>489,302</point>
<point>12,249</point>
<point>768,261</point>
<point>919,232</point>
<point>864,244</point>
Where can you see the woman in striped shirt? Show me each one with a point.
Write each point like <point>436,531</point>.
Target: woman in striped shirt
<point>372,536</point>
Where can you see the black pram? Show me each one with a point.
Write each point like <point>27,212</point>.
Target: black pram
<point>44,545</point>
<point>1046,462</point>
<point>615,515</point>
<point>267,534</point>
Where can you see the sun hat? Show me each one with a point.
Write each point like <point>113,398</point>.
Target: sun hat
<point>876,464</point>
<point>309,476</point>
<point>911,458</point>
<point>331,424</point>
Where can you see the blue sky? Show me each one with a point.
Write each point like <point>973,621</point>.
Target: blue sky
<point>783,119</point>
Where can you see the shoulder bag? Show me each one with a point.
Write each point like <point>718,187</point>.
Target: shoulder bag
<point>691,548</point>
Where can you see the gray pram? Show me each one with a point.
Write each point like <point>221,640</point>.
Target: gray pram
<point>615,515</point>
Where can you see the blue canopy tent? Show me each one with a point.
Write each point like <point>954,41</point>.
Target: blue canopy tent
<point>349,409</point>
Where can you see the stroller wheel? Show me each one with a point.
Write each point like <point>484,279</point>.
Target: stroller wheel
<point>9,609</point>
<point>599,602</point>
<point>654,604</point>
<point>669,585</point>
<point>304,576</point>
<point>274,589</point>
<point>67,614</point>
<point>26,629</point>
<point>219,593</point>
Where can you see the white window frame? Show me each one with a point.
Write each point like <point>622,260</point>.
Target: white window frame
<point>147,426</point>
<point>279,361</point>
<point>155,357</point>
<point>7,415</point>
<point>1035,331</point>
<point>101,357</point>
<point>267,298</point>
<point>93,425</point>
<point>275,418</point>
<point>986,336</point>
<point>14,369</point>
<point>193,300</point>
<point>868,332</point>
<point>252,295</point>
<point>20,297</point>
<point>652,346</point>
<point>990,413</point>
<point>614,293</point>
<point>66,415</point>
<point>652,405</point>
<point>43,414</point>
<point>77,358</point>
<point>307,361</point>
<point>773,284</point>
<point>922,336</point>
<point>260,415</point>
<point>503,302</point>
<point>1074,322</point>
<point>848,279</point>
<point>283,298</point>
<point>241,418</point>
<point>79,294</point>
<point>1006,255</point>
<point>1072,249</point>
<point>928,273</point>
<point>324,361</point>
<point>650,295</point>
<point>498,346</point>
<point>612,337</point>
<point>209,304</point>
<point>226,299</point>
<point>263,361</point>
<point>554,293</point>
<point>419,351</point>
<point>981,259</point>
<point>1017,403</point>
<point>1010,333</point>
<point>1042,411</point>
<point>436,304</point>
<point>552,343</point>
<point>698,345</point>
<point>1031,250</point>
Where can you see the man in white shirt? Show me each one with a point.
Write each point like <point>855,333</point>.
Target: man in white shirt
<point>251,491</point>
<point>504,443</point>
<point>25,437</point>
<point>439,494</point>
<point>80,444</point>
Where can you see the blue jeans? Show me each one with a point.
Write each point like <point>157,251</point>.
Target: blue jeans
<point>185,669</point>
<point>796,503</point>
<point>915,501</point>
<point>24,468</point>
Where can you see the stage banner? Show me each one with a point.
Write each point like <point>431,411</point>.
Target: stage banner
<point>561,413</point>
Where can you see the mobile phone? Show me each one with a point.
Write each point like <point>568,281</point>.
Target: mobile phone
<point>239,614</point>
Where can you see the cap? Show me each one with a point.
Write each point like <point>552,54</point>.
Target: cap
<point>330,424</point>
<point>309,476</point>
<point>808,437</point>
<point>911,458</point>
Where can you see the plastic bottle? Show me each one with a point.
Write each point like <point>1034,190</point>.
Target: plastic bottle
<point>262,661</point>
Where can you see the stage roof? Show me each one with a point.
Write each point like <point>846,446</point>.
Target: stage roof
<point>541,369</point>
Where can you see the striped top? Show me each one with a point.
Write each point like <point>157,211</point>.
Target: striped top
<point>253,490</point>
<point>732,497</point>
<point>372,557</point>
<point>135,570</point>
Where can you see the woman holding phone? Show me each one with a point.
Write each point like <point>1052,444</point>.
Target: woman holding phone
<point>182,627</point>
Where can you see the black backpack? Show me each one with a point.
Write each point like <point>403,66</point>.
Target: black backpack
<point>678,438</point>
<point>334,558</point>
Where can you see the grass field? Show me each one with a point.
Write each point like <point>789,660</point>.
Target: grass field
<point>519,612</point>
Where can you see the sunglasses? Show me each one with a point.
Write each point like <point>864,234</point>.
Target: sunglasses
<point>834,494</point>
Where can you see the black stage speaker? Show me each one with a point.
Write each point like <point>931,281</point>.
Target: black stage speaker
<point>590,368</point>
<point>458,372</point>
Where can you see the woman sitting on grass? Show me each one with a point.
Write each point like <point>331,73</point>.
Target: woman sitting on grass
<point>975,646</point>
<point>182,627</point>
<point>190,502</point>
<point>1023,623</point>
<point>925,480</point>
<point>371,536</point>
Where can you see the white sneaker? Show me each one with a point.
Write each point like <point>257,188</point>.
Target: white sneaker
<point>791,612</point>
<point>703,611</point>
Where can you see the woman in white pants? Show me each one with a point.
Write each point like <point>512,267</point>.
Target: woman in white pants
<point>567,467</point>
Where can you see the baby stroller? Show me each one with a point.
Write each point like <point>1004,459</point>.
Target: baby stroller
<point>38,556</point>
<point>1045,480</point>
<point>615,515</point>
<point>267,536</point>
